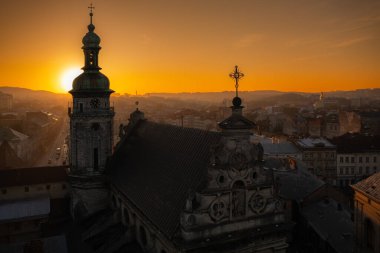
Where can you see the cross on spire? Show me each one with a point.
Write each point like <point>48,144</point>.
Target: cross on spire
<point>237,76</point>
<point>91,7</point>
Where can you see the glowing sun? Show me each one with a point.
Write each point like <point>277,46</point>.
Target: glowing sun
<point>68,76</point>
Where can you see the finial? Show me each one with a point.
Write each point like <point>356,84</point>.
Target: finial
<point>236,75</point>
<point>91,7</point>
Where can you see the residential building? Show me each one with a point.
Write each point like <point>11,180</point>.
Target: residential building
<point>319,155</point>
<point>6,102</point>
<point>358,156</point>
<point>367,214</point>
<point>30,197</point>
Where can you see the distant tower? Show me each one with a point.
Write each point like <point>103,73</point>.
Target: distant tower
<point>91,131</point>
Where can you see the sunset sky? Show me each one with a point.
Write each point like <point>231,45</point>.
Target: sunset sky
<point>192,45</point>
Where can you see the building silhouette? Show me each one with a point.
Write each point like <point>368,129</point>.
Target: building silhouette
<point>91,131</point>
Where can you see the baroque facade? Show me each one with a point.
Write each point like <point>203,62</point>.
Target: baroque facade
<point>174,189</point>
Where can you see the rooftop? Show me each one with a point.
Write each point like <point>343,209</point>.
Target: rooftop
<point>157,165</point>
<point>280,148</point>
<point>314,143</point>
<point>294,184</point>
<point>370,186</point>
<point>321,215</point>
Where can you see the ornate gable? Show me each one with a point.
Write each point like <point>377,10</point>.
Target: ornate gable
<point>239,196</point>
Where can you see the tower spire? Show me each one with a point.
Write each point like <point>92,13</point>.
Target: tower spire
<point>91,7</point>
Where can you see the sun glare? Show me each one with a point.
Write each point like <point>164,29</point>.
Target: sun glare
<point>68,76</point>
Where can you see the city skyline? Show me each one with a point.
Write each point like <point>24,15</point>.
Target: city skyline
<point>178,46</point>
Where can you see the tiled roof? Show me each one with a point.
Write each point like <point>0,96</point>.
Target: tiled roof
<point>370,186</point>
<point>157,165</point>
<point>33,175</point>
<point>321,215</point>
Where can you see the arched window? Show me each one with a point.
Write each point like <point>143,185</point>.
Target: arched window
<point>143,235</point>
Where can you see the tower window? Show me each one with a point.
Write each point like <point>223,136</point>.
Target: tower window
<point>80,107</point>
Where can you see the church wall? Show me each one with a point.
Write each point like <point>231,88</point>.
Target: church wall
<point>137,223</point>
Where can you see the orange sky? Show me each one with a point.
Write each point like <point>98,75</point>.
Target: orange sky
<point>192,45</point>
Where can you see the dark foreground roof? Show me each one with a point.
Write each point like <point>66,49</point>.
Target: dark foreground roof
<point>156,165</point>
<point>332,223</point>
<point>33,175</point>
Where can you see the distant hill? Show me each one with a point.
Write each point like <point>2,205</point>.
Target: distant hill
<point>28,94</point>
<point>35,100</point>
<point>284,99</point>
<point>260,97</point>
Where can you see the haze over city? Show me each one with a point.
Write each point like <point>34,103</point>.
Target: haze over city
<point>190,46</point>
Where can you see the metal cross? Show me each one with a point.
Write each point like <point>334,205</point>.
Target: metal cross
<point>91,14</point>
<point>237,76</point>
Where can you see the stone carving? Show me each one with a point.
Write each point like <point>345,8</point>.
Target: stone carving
<point>218,209</point>
<point>257,203</point>
<point>238,165</point>
<point>238,199</point>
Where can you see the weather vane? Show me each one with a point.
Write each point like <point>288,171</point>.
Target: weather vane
<point>237,76</point>
<point>91,7</point>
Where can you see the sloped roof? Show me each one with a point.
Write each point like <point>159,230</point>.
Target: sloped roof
<point>321,215</point>
<point>280,148</point>
<point>157,165</point>
<point>236,121</point>
<point>294,184</point>
<point>33,175</point>
<point>370,186</point>
<point>9,134</point>
<point>8,157</point>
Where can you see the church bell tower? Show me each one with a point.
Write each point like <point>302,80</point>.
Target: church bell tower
<point>91,131</point>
